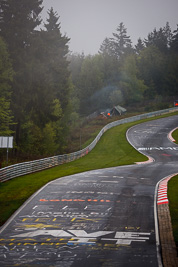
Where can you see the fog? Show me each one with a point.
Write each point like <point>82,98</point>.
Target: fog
<point>89,22</point>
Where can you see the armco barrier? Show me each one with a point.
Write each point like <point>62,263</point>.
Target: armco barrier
<point>24,168</point>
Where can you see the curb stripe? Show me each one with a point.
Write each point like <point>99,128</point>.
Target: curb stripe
<point>162,190</point>
<point>170,135</point>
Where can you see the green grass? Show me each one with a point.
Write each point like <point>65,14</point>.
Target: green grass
<point>173,198</point>
<point>175,136</point>
<point>173,205</point>
<point>112,150</point>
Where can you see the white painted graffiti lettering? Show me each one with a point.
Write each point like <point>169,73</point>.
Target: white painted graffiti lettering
<point>157,148</point>
<point>81,236</point>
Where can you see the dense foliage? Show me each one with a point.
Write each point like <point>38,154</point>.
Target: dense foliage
<point>6,77</point>
<point>40,88</point>
<point>44,89</point>
<point>144,75</point>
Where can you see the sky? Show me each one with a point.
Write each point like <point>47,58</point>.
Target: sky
<point>88,22</point>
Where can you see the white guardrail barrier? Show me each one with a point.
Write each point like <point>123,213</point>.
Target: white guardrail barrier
<point>24,168</point>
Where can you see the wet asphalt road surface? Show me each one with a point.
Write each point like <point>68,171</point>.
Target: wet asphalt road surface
<point>98,218</point>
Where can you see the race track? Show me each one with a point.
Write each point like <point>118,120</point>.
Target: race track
<point>99,218</point>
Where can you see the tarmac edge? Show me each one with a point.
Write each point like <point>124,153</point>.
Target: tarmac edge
<point>166,248</point>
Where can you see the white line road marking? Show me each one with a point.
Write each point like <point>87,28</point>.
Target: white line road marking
<point>109,209</point>
<point>157,148</point>
<point>91,192</point>
<point>116,182</point>
<point>88,181</point>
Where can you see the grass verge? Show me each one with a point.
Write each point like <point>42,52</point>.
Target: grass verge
<point>173,205</point>
<point>175,136</point>
<point>173,198</point>
<point>112,150</point>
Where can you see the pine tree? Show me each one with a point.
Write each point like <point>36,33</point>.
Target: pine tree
<point>174,42</point>
<point>161,38</point>
<point>56,56</point>
<point>106,47</point>
<point>168,34</point>
<point>18,19</point>
<point>52,24</point>
<point>6,76</point>
<point>55,53</point>
<point>121,43</point>
<point>139,46</point>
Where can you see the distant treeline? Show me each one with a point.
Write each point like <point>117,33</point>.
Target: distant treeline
<point>45,89</point>
<point>144,75</point>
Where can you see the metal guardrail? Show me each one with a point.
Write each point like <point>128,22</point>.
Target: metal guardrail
<point>24,168</point>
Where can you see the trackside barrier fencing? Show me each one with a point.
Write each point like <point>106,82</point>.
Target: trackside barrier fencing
<point>24,168</point>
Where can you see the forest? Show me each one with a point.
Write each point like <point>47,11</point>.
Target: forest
<point>45,89</point>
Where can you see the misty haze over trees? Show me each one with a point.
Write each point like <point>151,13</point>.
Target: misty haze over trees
<point>44,89</point>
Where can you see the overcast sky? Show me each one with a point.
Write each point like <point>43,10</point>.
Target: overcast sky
<point>88,22</point>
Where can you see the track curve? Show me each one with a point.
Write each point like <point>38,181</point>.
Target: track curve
<point>97,218</point>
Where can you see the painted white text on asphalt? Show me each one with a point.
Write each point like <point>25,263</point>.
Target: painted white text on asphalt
<point>81,236</point>
<point>157,148</point>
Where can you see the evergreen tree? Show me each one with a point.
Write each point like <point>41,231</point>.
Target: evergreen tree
<point>139,46</point>
<point>47,90</point>
<point>6,76</point>
<point>91,81</point>
<point>151,64</point>
<point>168,34</point>
<point>161,38</point>
<point>106,48</point>
<point>121,43</point>
<point>110,62</point>
<point>57,50</point>
<point>174,42</point>
<point>75,65</point>
<point>52,24</point>
<point>18,19</point>
<point>131,86</point>
<point>170,85</point>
